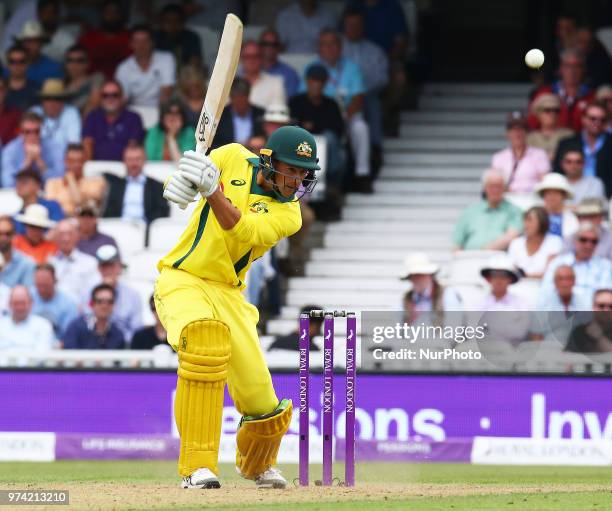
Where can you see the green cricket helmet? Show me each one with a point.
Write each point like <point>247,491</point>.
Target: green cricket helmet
<point>294,146</point>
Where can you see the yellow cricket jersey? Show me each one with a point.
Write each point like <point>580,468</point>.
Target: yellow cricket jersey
<point>212,253</point>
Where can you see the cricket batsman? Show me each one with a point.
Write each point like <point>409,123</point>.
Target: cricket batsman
<point>248,204</point>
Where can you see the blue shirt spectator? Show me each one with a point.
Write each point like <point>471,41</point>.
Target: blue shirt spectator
<point>270,45</point>
<point>61,122</point>
<point>17,268</point>
<point>41,67</point>
<point>386,21</point>
<point>344,80</point>
<point>96,331</point>
<point>50,303</point>
<point>44,68</point>
<point>21,92</point>
<point>28,187</point>
<point>108,130</point>
<point>590,154</point>
<point>30,150</point>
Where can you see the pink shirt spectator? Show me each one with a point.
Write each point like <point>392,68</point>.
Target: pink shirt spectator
<point>523,175</point>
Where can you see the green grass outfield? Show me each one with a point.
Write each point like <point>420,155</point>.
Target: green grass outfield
<point>427,487</point>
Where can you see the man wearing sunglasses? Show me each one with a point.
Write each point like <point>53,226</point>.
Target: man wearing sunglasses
<point>249,204</point>
<point>595,143</point>
<point>596,336</point>
<point>21,92</point>
<point>29,149</point>
<point>591,271</point>
<point>95,331</point>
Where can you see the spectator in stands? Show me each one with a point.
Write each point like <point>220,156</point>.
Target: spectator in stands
<point>90,239</point>
<point>127,313</point>
<point>595,144</point>
<point>555,316</point>
<point>108,45</point>
<point>82,86</point>
<point>300,24</point>
<point>598,68</point>
<point>604,97</point>
<point>40,67</point>
<point>571,89</point>
<point>17,268</point>
<point>147,77</point>
<point>428,295</point>
<point>386,25</point>
<point>33,243</point>
<point>374,67</point>
<point>266,89</point>
<point>582,187</point>
<point>500,273</point>
<point>76,271</point>
<point>191,90</point>
<point>212,13</point>
<point>546,108</point>
<point>269,42</point>
<point>150,336</point>
<point>555,190</point>
<point>61,122</point>
<point>27,186</point>
<point>108,130</point>
<point>9,115</point>
<point>593,211</point>
<point>97,330</point>
<point>345,84</point>
<point>240,120</point>
<point>50,303</point>
<point>321,115</point>
<point>523,166</point>
<point>22,330</point>
<point>136,197</point>
<point>492,223</point>
<point>596,336</point>
<point>591,271</point>
<point>59,39</point>
<point>30,150</point>
<point>291,341</point>
<point>173,37</point>
<point>74,189</point>
<point>22,91</point>
<point>532,252</point>
<point>275,116</point>
<point>565,296</point>
<point>171,136</point>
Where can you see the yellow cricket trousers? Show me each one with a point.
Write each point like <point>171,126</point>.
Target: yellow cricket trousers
<point>181,298</point>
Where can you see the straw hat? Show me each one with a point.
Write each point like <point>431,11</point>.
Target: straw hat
<point>36,215</point>
<point>590,206</point>
<point>501,263</point>
<point>418,263</point>
<point>554,181</point>
<point>32,30</point>
<point>53,88</point>
<point>277,113</point>
<point>544,101</point>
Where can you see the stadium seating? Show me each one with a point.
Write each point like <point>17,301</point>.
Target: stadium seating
<point>98,167</point>
<point>129,234</point>
<point>209,40</point>
<point>148,114</point>
<point>163,233</point>
<point>298,61</point>
<point>158,170</point>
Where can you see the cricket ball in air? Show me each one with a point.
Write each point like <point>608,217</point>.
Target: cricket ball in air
<point>534,58</point>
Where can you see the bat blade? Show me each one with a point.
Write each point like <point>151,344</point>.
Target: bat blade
<point>220,82</point>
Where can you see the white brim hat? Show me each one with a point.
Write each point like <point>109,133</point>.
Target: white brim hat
<point>554,181</point>
<point>418,264</point>
<point>36,215</point>
<point>501,264</point>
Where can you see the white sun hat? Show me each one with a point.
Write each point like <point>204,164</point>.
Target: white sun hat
<point>554,181</point>
<point>36,215</point>
<point>501,263</point>
<point>418,263</point>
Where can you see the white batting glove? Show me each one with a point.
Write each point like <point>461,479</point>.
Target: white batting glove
<point>179,190</point>
<point>199,170</point>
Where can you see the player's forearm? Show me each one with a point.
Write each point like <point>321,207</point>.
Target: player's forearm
<point>225,212</point>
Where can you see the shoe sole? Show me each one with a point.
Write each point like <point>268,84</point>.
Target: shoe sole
<point>205,486</point>
<point>272,486</point>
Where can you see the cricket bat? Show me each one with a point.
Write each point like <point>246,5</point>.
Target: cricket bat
<point>220,82</point>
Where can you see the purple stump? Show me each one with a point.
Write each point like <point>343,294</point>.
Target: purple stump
<point>351,361</point>
<point>328,397</point>
<point>304,405</point>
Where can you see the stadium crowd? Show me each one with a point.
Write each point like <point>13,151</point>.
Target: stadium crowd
<point>93,84</point>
